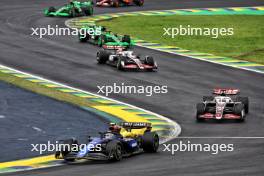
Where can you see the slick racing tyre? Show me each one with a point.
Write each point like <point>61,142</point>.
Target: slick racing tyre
<point>139,2</point>
<point>245,102</point>
<point>87,11</point>
<point>52,9</point>
<point>240,110</point>
<point>102,57</point>
<point>200,108</point>
<point>114,151</point>
<point>115,3</point>
<point>127,39</point>
<point>121,61</point>
<point>149,61</point>
<point>150,142</point>
<point>68,148</point>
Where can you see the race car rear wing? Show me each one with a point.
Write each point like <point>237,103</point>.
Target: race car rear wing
<point>135,125</point>
<point>229,91</point>
<point>113,47</point>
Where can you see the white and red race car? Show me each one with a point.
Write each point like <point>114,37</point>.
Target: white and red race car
<point>223,104</point>
<point>125,59</point>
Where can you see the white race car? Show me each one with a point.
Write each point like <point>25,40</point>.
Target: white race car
<point>224,104</point>
<point>125,60</point>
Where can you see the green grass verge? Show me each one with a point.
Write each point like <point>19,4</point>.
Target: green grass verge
<point>37,88</point>
<point>247,42</point>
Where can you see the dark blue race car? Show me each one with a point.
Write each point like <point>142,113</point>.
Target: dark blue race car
<point>120,141</point>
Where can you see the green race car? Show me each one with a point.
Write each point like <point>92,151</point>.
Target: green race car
<point>73,9</point>
<point>100,36</point>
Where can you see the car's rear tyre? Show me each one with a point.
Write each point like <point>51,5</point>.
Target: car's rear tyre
<point>52,9</point>
<point>87,11</point>
<point>127,39</point>
<point>139,2</point>
<point>208,98</point>
<point>102,57</point>
<point>114,151</point>
<point>150,142</point>
<point>200,109</point>
<point>245,101</point>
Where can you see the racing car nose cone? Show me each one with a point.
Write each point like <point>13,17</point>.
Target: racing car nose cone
<point>218,116</point>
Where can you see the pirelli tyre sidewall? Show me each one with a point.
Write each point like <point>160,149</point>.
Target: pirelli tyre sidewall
<point>87,11</point>
<point>200,109</point>
<point>102,57</point>
<point>121,62</point>
<point>114,150</point>
<point>127,39</point>
<point>239,109</point>
<point>149,60</point>
<point>150,142</point>
<point>67,150</point>
<point>245,101</point>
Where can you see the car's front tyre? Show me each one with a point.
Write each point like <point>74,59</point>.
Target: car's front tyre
<point>239,109</point>
<point>67,149</point>
<point>102,57</point>
<point>120,63</point>
<point>245,101</point>
<point>114,151</point>
<point>200,109</point>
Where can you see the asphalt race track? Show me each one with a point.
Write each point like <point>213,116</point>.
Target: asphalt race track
<point>66,60</point>
<point>27,118</point>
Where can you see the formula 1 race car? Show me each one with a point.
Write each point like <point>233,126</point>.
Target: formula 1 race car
<point>73,9</point>
<point>100,36</point>
<point>118,3</point>
<point>120,141</point>
<point>125,60</point>
<point>224,104</point>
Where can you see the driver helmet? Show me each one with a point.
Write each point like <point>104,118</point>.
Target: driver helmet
<point>149,128</point>
<point>114,128</point>
<point>119,50</point>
